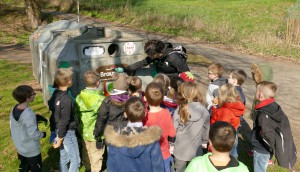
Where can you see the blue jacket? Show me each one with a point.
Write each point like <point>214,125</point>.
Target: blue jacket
<point>134,149</point>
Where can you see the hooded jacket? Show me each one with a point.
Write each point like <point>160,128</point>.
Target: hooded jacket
<point>25,133</point>
<point>272,133</point>
<point>193,133</point>
<point>213,91</point>
<point>203,164</point>
<point>230,112</point>
<point>88,103</point>
<point>134,149</point>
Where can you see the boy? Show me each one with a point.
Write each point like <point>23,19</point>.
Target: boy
<point>237,78</point>
<point>271,131</point>
<point>63,119</point>
<point>215,72</point>
<point>221,139</point>
<point>24,130</point>
<point>87,107</point>
<point>161,117</point>
<point>134,148</point>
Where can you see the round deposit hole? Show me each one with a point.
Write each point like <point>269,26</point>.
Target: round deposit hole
<point>113,50</point>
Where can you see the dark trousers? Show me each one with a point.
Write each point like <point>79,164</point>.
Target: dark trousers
<point>33,164</point>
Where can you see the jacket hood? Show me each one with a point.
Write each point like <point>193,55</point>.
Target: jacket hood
<point>90,99</point>
<point>261,72</point>
<point>274,111</point>
<point>220,81</point>
<point>237,108</point>
<point>132,137</point>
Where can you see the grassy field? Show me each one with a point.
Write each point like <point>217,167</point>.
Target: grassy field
<point>257,26</point>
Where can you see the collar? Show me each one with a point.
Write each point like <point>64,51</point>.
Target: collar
<point>264,103</point>
<point>134,124</point>
<point>117,92</point>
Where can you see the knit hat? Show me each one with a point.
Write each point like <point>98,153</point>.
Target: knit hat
<point>121,81</point>
<point>187,76</point>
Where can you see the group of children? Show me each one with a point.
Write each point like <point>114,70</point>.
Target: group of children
<point>165,127</point>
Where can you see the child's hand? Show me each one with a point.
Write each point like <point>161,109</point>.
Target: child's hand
<point>204,146</point>
<point>215,101</point>
<point>171,149</point>
<point>57,142</point>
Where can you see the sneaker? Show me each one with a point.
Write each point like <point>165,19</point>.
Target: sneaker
<point>250,153</point>
<point>270,162</point>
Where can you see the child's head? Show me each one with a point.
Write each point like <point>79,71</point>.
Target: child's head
<point>135,84</point>
<point>121,81</point>
<point>63,77</point>
<point>222,136</point>
<point>227,93</point>
<point>135,109</point>
<point>215,71</point>
<point>188,92</point>
<point>23,93</point>
<point>154,94</point>
<point>174,85</point>
<point>163,80</point>
<point>92,79</point>
<point>265,90</point>
<point>237,77</point>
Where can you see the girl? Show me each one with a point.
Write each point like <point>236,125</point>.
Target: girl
<point>230,110</point>
<point>191,121</point>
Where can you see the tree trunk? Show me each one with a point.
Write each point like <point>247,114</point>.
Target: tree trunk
<point>33,10</point>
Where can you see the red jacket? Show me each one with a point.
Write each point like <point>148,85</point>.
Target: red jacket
<point>230,112</point>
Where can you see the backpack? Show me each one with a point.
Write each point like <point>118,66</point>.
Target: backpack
<point>181,51</point>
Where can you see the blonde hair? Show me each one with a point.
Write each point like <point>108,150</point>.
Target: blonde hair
<point>188,92</point>
<point>268,89</point>
<point>228,93</point>
<point>216,68</point>
<point>91,78</point>
<point>63,76</point>
<point>163,80</point>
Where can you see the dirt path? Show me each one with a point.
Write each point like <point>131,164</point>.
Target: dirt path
<point>286,74</point>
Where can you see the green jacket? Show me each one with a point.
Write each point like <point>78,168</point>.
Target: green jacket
<point>203,164</point>
<point>88,103</point>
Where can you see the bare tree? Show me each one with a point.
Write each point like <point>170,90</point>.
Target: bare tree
<point>33,10</point>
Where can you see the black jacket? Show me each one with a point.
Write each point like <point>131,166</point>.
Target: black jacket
<point>272,133</point>
<point>171,64</point>
<point>62,110</point>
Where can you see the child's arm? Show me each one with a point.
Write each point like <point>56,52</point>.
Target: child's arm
<point>205,127</point>
<point>267,131</point>
<point>171,131</point>
<point>102,119</point>
<point>157,160</point>
<point>32,128</point>
<point>64,111</point>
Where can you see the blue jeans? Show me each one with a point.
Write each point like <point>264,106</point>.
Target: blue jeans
<point>234,151</point>
<point>260,161</point>
<point>167,163</point>
<point>69,152</point>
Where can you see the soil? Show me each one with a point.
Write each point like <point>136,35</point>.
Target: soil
<point>286,72</point>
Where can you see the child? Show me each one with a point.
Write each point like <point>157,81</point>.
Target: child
<point>134,148</point>
<point>161,117</point>
<point>164,81</point>
<point>237,78</point>
<point>112,108</point>
<point>63,118</point>
<point>24,130</point>
<point>221,138</point>
<point>215,72</point>
<point>169,101</point>
<point>230,109</point>
<point>87,107</point>
<point>191,121</point>
<point>271,131</point>
<point>135,87</point>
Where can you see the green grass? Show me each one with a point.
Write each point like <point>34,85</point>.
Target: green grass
<point>258,25</point>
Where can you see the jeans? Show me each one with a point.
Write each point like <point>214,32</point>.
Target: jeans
<point>234,151</point>
<point>167,163</point>
<point>69,152</point>
<point>260,161</point>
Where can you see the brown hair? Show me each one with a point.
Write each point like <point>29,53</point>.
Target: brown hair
<point>63,76</point>
<point>154,94</point>
<point>135,109</point>
<point>222,136</point>
<point>163,80</point>
<point>135,84</point>
<point>154,48</point>
<point>227,93</point>
<point>239,75</point>
<point>216,68</point>
<point>91,78</point>
<point>268,89</point>
<point>188,92</point>
<point>22,92</point>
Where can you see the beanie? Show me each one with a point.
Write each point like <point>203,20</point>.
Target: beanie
<point>121,81</point>
<point>187,76</point>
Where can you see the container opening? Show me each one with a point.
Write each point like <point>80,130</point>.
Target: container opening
<point>113,50</point>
